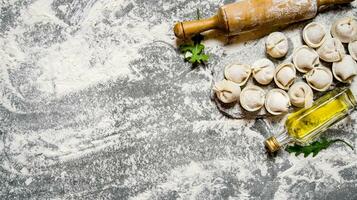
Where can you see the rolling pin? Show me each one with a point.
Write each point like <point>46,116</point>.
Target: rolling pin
<point>249,15</point>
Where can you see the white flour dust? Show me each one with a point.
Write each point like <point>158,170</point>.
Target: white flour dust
<point>87,56</point>
<point>162,137</point>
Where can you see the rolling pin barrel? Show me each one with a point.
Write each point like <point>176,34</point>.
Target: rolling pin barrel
<point>250,15</point>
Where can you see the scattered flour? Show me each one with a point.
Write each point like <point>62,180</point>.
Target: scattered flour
<point>85,58</point>
<point>94,52</point>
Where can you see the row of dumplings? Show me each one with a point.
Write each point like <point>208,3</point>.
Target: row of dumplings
<point>252,98</point>
<point>284,75</point>
<point>276,101</point>
<point>305,59</point>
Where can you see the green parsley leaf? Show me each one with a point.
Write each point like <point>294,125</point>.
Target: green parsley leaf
<point>194,53</point>
<point>314,147</point>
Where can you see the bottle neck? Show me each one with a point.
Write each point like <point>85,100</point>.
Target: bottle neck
<point>352,95</point>
<point>274,143</point>
<point>283,138</point>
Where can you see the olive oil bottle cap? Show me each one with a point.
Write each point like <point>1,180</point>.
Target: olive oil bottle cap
<point>272,144</point>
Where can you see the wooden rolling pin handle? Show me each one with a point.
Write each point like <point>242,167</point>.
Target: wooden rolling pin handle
<point>189,28</point>
<point>330,2</point>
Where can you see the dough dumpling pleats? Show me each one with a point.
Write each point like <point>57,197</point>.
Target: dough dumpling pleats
<point>227,91</point>
<point>277,45</point>
<point>285,75</point>
<point>319,78</point>
<point>238,73</point>
<point>345,70</point>
<point>263,71</point>
<point>252,98</point>
<point>345,29</point>
<point>314,34</point>
<point>277,102</point>
<point>331,50</point>
<point>305,59</point>
<point>301,95</point>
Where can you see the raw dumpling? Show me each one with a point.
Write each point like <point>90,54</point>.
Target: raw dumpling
<point>285,75</point>
<point>331,50</point>
<point>345,70</point>
<point>263,71</point>
<point>277,102</point>
<point>314,34</point>
<point>305,59</point>
<point>238,73</point>
<point>345,29</point>
<point>301,95</point>
<point>319,78</point>
<point>252,98</point>
<point>352,49</point>
<point>277,45</point>
<point>227,91</point>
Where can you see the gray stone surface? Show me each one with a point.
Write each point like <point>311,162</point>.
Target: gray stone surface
<point>97,103</point>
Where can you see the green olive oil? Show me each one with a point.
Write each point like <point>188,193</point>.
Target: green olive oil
<point>304,125</point>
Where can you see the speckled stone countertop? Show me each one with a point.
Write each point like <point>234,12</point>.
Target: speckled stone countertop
<point>97,103</point>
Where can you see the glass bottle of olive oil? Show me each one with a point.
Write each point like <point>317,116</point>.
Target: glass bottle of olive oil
<point>304,125</point>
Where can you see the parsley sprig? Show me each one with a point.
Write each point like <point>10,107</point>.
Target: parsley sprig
<point>194,53</point>
<point>314,147</point>
<point>194,50</point>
